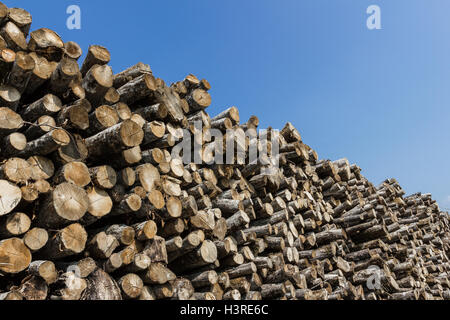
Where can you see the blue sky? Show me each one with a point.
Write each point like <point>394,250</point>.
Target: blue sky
<point>380,98</point>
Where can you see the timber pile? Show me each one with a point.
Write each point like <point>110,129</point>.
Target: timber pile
<point>93,206</point>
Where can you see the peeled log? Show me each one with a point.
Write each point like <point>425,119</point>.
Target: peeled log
<point>14,256</point>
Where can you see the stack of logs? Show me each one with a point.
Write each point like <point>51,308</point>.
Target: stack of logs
<point>93,205</point>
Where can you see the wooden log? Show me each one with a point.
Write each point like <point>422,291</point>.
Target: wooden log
<point>35,239</point>
<point>44,269</point>
<point>9,97</point>
<point>41,73</point>
<point>66,72</point>
<point>7,58</point>
<point>131,73</point>
<point>131,285</point>
<point>102,246</point>
<point>34,288</point>
<point>72,50</point>
<point>16,170</point>
<point>137,89</point>
<point>75,172</point>
<point>145,230</point>
<point>124,135</point>
<point>65,204</point>
<point>97,82</point>
<point>101,287</point>
<point>198,100</point>
<point>47,43</point>
<point>21,71</point>
<point>97,55</point>
<point>103,176</point>
<point>205,254</point>
<point>10,195</point>
<point>157,273</point>
<point>46,144</point>
<point>39,128</point>
<point>48,105</point>
<point>14,225</point>
<point>82,268</point>
<point>41,168</point>
<point>14,256</point>
<point>14,37</point>
<point>66,242</point>
<point>102,118</point>
<point>123,111</point>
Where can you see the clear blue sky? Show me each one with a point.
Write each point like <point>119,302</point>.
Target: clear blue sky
<point>381,98</point>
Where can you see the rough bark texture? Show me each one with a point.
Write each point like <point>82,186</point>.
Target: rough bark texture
<point>96,204</point>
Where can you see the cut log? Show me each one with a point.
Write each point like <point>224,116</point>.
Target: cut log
<point>101,287</point>
<point>66,72</point>
<point>35,239</point>
<point>65,204</point>
<point>137,89</point>
<point>20,74</point>
<point>97,82</point>
<point>14,225</point>
<point>74,172</point>
<point>131,73</point>
<point>14,256</point>
<point>46,144</point>
<point>47,43</point>
<point>44,269</point>
<point>48,105</point>
<point>67,242</point>
<point>14,37</point>
<point>72,50</point>
<point>97,55</point>
<point>10,196</point>
<point>131,285</point>
<point>112,140</point>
